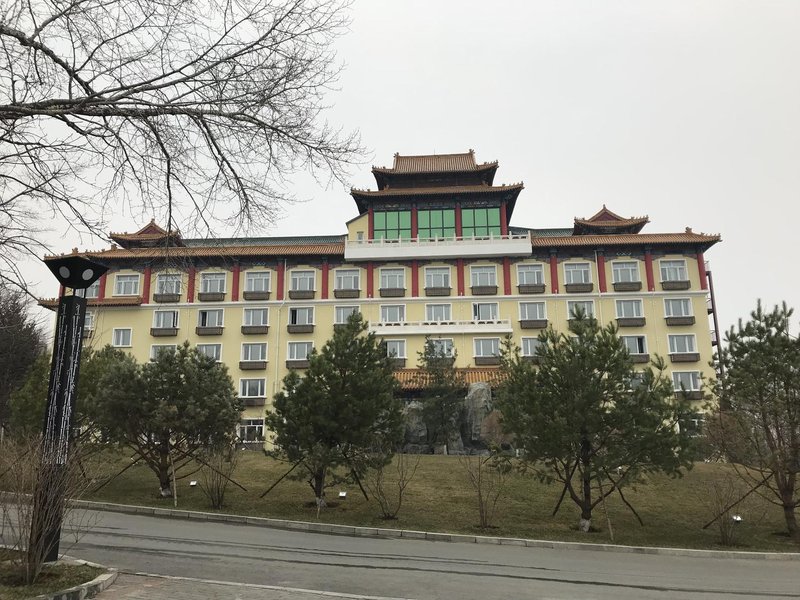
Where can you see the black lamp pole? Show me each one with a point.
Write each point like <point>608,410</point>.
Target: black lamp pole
<point>77,273</point>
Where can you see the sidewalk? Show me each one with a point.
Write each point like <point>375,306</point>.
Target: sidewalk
<point>143,587</point>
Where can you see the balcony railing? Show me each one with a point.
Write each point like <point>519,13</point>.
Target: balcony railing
<point>455,247</point>
<point>441,327</point>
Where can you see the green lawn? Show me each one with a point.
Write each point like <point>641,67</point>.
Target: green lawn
<point>439,499</point>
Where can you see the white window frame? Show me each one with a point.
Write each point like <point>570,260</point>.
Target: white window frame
<point>475,343</point>
<point>393,275</point>
<point>437,342</point>
<point>252,309</point>
<point>622,302</point>
<point>529,346</point>
<point>154,348</point>
<point>157,324</point>
<point>694,376</point>
<point>664,269</point>
<point>291,353</point>
<point>618,264</point>
<point>572,303</point>
<point>691,347</point>
<point>173,281</point>
<point>343,276</point>
<point>263,386</point>
<point>247,346</point>
<point>294,311</point>
<point>483,275</point>
<point>208,277</point>
<point>430,317</point>
<point>437,277</point>
<point>537,269</point>
<point>623,338</point>
<point>476,316</point>
<point>218,346</point>
<point>116,343</point>
<point>220,311</point>
<point>354,308</point>
<point>402,343</point>
<point>246,425</point>
<point>523,316</point>
<point>122,279</point>
<point>261,276</point>
<point>89,321</point>
<point>302,278</point>
<point>667,304</point>
<point>571,269</point>
<point>385,312</point>
<point>93,291</point>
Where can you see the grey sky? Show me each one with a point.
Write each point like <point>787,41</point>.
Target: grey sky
<point>688,112</point>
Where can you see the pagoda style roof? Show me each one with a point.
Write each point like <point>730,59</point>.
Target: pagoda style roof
<point>688,238</point>
<point>432,166</point>
<point>148,236</point>
<point>52,303</point>
<point>364,198</point>
<point>414,379</point>
<point>606,221</point>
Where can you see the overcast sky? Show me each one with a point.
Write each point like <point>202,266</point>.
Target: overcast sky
<point>688,112</point>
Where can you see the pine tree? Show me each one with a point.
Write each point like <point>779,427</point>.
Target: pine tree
<point>443,391</point>
<point>341,408</point>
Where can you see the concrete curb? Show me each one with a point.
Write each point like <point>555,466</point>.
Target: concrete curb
<point>86,590</point>
<point>351,530</point>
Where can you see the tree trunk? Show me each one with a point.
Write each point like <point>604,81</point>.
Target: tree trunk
<point>164,475</point>
<point>319,486</point>
<point>585,522</point>
<point>791,520</point>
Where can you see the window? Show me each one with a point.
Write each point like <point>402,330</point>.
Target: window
<point>530,346</point>
<point>254,351</point>
<point>692,424</point>
<point>347,279</point>
<point>302,281</point>
<point>396,348</point>
<point>126,285</point>
<point>257,281</point>
<point>301,315</point>
<point>167,319</point>
<point>392,225</point>
<point>531,311</point>
<point>393,279</point>
<point>437,277</point>
<point>393,313</point>
<point>682,344</point>
<point>483,275</point>
<point>210,318</point>
<point>121,338</point>
<point>436,224</point>
<point>342,313</point>
<point>93,291</point>
<point>252,388</point>
<point>625,272</point>
<point>300,350</point>
<point>212,283</point>
<point>484,311</point>
<point>437,312</point>
<point>635,344</point>
<point>256,316</point>
<point>686,380</point>
<point>487,346</point>
<point>88,321</point>
<point>530,274</point>
<point>157,349</point>
<point>586,306</point>
<point>480,222</point>
<point>678,307</point>
<point>443,346</point>
<point>168,283</point>
<point>577,273</point>
<point>211,350</point>
<point>673,270</point>
<point>629,309</point>
<point>251,430</point>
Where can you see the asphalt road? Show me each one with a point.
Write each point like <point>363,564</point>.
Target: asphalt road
<point>403,568</point>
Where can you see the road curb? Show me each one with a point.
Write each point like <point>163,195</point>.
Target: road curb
<point>355,531</point>
<point>85,590</point>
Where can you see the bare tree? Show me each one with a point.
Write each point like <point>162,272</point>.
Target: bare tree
<point>169,106</point>
<point>389,489</point>
<point>219,463</point>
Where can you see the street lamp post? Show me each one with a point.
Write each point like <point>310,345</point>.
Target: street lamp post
<point>77,273</point>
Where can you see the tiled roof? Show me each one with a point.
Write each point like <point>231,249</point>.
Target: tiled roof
<point>299,240</point>
<point>441,191</point>
<point>436,163</point>
<point>625,239</point>
<point>213,251</point>
<point>121,301</point>
<point>411,379</point>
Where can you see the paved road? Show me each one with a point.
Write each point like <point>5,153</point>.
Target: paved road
<point>403,568</point>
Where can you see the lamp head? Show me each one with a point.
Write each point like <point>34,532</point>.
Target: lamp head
<point>74,271</point>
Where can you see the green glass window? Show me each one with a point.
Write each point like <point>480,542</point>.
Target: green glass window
<point>436,223</point>
<point>392,225</point>
<point>480,222</point>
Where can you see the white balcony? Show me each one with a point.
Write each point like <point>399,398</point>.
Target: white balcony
<point>501,326</point>
<point>463,247</point>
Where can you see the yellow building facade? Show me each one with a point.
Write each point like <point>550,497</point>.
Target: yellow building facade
<point>431,254</point>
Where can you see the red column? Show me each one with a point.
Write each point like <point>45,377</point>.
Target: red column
<point>414,278</point>
<point>101,293</point>
<point>503,220</point>
<point>279,291</point>
<point>414,226</point>
<point>146,286</point>
<point>190,285</point>
<point>61,291</point>
<point>506,275</point>
<point>553,273</point>
<point>370,224</point>
<point>235,284</point>
<point>601,272</point>
<point>460,275</point>
<point>370,281</point>
<point>458,220</point>
<point>648,269</point>
<point>701,268</point>
<point>325,280</point>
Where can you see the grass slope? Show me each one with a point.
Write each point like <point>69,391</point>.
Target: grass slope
<point>52,579</point>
